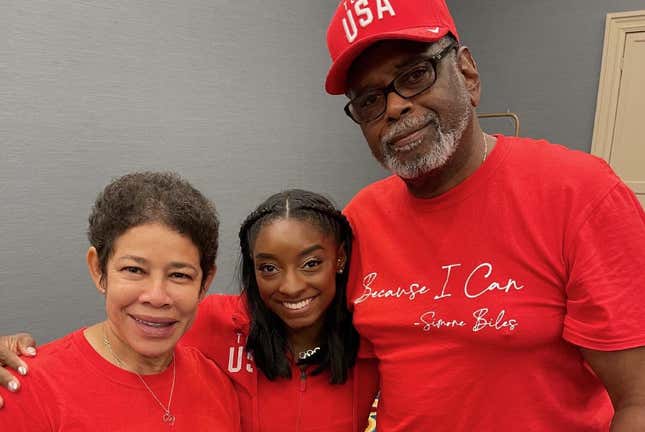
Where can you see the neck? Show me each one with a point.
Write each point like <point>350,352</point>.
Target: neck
<point>467,158</point>
<point>122,355</point>
<point>305,338</point>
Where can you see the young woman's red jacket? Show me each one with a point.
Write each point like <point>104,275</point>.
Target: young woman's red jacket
<point>304,403</point>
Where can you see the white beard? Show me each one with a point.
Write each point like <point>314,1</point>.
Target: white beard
<point>437,156</point>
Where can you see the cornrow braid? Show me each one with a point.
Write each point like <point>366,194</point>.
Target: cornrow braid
<point>250,220</point>
<point>267,338</point>
<point>334,215</point>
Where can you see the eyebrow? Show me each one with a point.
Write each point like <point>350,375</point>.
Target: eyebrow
<point>399,67</point>
<point>430,52</point>
<point>304,252</point>
<point>174,264</point>
<point>410,62</point>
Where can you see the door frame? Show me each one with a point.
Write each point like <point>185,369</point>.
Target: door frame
<point>617,25</point>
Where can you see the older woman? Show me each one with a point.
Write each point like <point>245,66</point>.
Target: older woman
<point>152,256</point>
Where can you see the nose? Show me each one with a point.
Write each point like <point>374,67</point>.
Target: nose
<point>292,284</point>
<point>156,292</point>
<point>397,106</point>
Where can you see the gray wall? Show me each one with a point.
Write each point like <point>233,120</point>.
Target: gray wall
<point>228,93</point>
<point>540,59</point>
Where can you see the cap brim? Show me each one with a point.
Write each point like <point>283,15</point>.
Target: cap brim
<point>335,83</point>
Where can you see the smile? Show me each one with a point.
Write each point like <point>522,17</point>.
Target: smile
<point>153,324</point>
<point>408,142</point>
<point>400,148</point>
<point>157,323</point>
<point>299,304</point>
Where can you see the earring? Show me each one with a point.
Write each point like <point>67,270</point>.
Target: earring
<point>340,266</point>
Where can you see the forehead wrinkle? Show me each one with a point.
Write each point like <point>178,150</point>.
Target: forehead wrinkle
<point>134,258</point>
<point>141,260</point>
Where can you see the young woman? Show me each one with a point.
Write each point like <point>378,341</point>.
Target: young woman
<point>152,256</point>
<point>287,341</point>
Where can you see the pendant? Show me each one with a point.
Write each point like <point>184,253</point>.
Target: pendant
<point>304,355</point>
<point>168,418</point>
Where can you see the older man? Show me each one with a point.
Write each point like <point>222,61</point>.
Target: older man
<point>498,280</point>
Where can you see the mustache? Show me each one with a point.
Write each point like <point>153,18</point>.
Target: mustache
<point>407,125</point>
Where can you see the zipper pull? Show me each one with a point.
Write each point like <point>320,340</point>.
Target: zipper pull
<point>303,380</point>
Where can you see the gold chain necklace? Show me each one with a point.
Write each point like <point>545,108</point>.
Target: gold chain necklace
<point>485,147</point>
<point>168,417</point>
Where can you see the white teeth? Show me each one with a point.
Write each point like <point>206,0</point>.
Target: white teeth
<point>152,324</point>
<point>409,146</point>
<point>297,305</point>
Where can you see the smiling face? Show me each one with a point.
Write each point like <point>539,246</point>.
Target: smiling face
<point>152,286</point>
<point>418,135</point>
<point>295,269</point>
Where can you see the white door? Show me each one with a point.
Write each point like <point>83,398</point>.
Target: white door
<point>627,155</point>
<point>625,149</point>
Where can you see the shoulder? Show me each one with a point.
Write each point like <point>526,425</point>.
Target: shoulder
<point>370,196</point>
<point>199,368</point>
<point>55,353</point>
<point>557,163</point>
<point>218,306</point>
<point>222,311</point>
<point>32,408</point>
<point>53,359</point>
<point>547,173</point>
<point>220,318</point>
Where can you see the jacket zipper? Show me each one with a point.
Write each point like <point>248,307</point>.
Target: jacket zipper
<point>301,396</point>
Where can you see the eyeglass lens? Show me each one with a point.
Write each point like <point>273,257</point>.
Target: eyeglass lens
<point>415,80</point>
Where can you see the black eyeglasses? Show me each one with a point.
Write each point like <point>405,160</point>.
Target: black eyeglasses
<point>370,105</point>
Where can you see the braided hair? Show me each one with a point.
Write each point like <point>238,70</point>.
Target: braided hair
<point>267,339</point>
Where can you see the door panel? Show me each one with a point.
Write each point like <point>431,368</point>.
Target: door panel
<point>627,155</point>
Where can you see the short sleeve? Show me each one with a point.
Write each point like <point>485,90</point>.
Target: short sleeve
<point>606,283</point>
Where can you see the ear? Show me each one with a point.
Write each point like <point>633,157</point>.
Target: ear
<point>468,68</point>
<point>207,282</point>
<point>94,267</point>
<point>341,258</point>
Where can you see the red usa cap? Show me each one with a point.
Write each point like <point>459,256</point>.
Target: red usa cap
<point>357,24</point>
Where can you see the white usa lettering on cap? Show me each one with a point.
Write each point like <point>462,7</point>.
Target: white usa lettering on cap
<point>363,12</point>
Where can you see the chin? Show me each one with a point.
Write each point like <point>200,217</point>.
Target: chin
<point>300,323</point>
<point>411,170</point>
<point>153,349</point>
<point>423,162</point>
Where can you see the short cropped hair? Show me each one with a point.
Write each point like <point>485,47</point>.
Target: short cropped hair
<point>147,197</point>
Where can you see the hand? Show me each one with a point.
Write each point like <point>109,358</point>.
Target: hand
<point>10,348</point>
